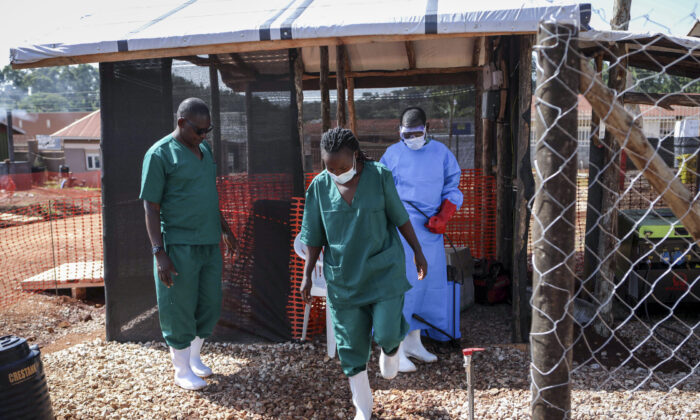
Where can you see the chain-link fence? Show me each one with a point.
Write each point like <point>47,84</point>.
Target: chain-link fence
<point>616,335</point>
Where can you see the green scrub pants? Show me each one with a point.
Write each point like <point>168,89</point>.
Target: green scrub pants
<point>192,305</point>
<point>353,326</point>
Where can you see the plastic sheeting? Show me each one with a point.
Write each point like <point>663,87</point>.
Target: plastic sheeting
<point>135,25</point>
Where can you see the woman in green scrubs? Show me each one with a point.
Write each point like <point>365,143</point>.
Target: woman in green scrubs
<point>353,210</point>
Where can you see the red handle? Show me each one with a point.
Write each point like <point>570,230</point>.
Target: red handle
<point>469,351</point>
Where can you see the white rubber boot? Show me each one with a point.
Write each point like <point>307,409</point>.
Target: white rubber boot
<point>389,365</point>
<point>414,348</point>
<point>361,396</point>
<point>184,377</point>
<point>405,365</point>
<point>199,368</point>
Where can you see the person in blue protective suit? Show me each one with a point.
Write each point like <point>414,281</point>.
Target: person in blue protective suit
<point>427,177</point>
<point>352,210</point>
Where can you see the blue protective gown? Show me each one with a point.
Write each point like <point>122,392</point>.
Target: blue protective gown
<point>426,177</point>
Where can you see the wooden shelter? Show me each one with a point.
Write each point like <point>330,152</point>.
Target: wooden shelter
<point>285,46</point>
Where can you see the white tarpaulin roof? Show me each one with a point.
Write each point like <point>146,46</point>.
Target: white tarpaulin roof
<point>131,29</point>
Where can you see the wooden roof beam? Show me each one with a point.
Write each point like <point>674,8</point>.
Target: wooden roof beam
<point>410,54</point>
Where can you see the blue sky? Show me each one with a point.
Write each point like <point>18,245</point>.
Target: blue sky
<point>23,19</point>
<point>666,16</point>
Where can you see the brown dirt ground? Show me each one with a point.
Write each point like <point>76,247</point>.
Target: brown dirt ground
<point>53,322</point>
<point>43,194</point>
<point>27,249</point>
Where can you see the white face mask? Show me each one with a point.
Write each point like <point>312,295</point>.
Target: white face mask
<point>413,143</point>
<point>345,177</point>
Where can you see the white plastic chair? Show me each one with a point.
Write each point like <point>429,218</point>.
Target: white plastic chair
<point>318,288</point>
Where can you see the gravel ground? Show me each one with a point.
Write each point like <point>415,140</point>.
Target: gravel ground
<point>284,381</point>
<point>90,378</point>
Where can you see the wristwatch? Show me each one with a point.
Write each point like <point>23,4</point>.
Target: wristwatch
<point>156,249</point>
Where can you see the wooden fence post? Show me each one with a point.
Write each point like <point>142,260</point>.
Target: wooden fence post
<point>551,335</point>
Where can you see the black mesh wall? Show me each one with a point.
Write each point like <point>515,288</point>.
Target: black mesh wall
<point>136,104</point>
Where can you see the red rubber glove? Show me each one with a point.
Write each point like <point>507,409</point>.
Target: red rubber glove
<point>438,223</point>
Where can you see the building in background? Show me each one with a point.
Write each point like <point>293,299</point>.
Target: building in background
<point>34,126</point>
<point>81,148</point>
<point>4,152</point>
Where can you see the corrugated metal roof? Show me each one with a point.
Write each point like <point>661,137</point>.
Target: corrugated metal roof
<point>88,127</point>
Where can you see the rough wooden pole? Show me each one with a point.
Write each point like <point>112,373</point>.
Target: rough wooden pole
<point>628,134</point>
<point>299,88</point>
<point>554,207</point>
<point>621,15</point>
<point>504,172</point>
<point>295,94</point>
<point>216,117</point>
<point>249,128</point>
<point>486,125</point>
<point>340,85</point>
<point>476,53</point>
<point>351,106</point>
<point>607,240</point>
<point>594,200</point>
<point>325,97</point>
<point>524,186</point>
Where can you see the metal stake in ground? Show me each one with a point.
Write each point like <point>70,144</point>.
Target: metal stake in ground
<point>467,353</point>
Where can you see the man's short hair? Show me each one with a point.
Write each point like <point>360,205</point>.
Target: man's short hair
<point>193,107</point>
<point>413,116</point>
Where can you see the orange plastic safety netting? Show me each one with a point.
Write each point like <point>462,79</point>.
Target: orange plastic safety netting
<point>473,226</point>
<point>50,244</point>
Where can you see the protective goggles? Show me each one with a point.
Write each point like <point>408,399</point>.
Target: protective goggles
<point>416,131</point>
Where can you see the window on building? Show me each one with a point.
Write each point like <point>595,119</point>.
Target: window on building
<point>93,162</point>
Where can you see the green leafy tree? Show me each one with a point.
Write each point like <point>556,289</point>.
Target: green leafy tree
<point>66,88</point>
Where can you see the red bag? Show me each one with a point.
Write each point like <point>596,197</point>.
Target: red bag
<point>492,284</point>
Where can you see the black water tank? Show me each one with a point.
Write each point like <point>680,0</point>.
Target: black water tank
<point>23,390</point>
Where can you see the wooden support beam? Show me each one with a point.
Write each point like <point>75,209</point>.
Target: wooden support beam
<point>340,85</point>
<point>663,100</point>
<point>238,47</point>
<point>478,124</point>
<point>410,54</point>
<point>351,107</point>
<point>299,89</point>
<point>350,84</point>
<point>487,125</point>
<point>216,117</point>
<point>551,338</point>
<point>504,158</point>
<point>400,73</point>
<point>296,98</point>
<point>607,240</point>
<point>196,60</point>
<point>476,52</point>
<point>325,97</point>
<point>250,135</point>
<point>244,67</point>
<point>524,186</point>
<point>594,200</point>
<point>628,135</point>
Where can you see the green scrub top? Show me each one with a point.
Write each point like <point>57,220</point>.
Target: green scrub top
<point>185,188</point>
<point>363,258</point>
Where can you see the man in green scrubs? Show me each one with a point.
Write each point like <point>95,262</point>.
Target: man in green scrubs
<point>178,188</point>
<point>352,210</point>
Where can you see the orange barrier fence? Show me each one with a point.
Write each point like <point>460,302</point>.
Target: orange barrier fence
<point>22,182</point>
<point>56,243</point>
